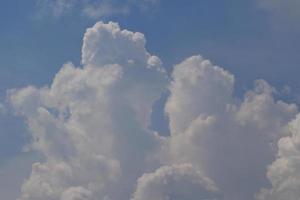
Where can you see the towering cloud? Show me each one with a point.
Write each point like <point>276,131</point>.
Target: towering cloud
<point>91,123</point>
<point>92,127</point>
<point>231,140</point>
<point>284,172</point>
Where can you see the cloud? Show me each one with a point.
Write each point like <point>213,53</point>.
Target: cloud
<point>104,9</point>
<point>231,140</point>
<point>13,172</point>
<point>282,12</point>
<point>284,171</point>
<point>92,119</point>
<point>91,124</point>
<point>175,182</point>
<point>55,7</point>
<point>94,9</point>
<point>77,193</point>
<point>2,108</point>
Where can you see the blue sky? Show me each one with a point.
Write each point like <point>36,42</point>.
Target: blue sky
<point>252,39</point>
<point>238,35</point>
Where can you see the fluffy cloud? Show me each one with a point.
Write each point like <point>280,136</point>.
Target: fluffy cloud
<point>284,172</point>
<point>12,173</point>
<point>76,193</point>
<point>232,140</point>
<point>91,124</point>
<point>175,182</point>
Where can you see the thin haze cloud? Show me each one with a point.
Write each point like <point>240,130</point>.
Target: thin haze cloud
<point>94,9</point>
<point>284,15</point>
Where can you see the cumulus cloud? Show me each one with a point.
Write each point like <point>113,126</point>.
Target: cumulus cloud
<point>93,8</point>
<point>232,140</point>
<point>91,124</point>
<point>77,193</point>
<point>12,173</point>
<point>175,182</point>
<point>284,171</point>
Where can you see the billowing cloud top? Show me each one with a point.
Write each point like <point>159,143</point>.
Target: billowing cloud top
<point>175,182</point>
<point>92,127</point>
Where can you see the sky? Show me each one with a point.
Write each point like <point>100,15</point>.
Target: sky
<point>149,99</point>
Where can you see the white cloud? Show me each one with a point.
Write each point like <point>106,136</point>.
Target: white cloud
<point>105,44</point>
<point>91,126</point>
<point>91,123</point>
<point>76,193</point>
<point>55,7</point>
<point>13,173</point>
<point>284,172</point>
<point>229,139</point>
<point>196,83</point>
<point>104,9</point>
<point>175,182</point>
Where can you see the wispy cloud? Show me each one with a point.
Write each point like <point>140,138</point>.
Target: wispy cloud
<point>283,13</point>
<point>56,8</point>
<point>2,108</point>
<point>92,8</point>
<point>105,9</point>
